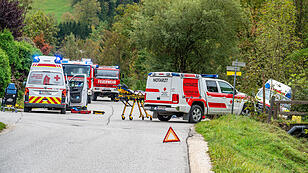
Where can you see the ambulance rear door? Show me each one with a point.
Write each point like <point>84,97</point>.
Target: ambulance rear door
<point>158,89</point>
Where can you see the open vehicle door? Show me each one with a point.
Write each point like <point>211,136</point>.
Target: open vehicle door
<point>78,91</point>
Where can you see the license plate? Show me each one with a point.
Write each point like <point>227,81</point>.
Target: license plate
<point>161,107</point>
<point>45,92</point>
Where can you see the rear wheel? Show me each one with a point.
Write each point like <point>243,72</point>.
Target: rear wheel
<point>63,110</point>
<point>27,109</point>
<point>164,117</point>
<point>89,99</point>
<point>95,97</point>
<point>195,114</point>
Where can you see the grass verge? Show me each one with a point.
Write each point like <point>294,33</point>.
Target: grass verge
<point>2,126</point>
<point>56,7</point>
<point>241,144</point>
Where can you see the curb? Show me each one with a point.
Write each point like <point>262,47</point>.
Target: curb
<point>199,159</point>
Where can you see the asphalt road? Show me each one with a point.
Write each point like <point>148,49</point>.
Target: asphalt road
<point>45,141</point>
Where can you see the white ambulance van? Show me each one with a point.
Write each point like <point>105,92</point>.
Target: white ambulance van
<point>277,89</point>
<point>46,87</point>
<point>191,96</point>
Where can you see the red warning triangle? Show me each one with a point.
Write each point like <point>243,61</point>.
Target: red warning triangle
<point>171,136</point>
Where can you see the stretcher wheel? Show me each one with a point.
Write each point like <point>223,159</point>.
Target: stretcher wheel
<point>123,118</point>
<point>130,118</point>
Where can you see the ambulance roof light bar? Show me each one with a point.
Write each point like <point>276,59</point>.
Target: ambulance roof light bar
<point>36,59</point>
<point>210,75</point>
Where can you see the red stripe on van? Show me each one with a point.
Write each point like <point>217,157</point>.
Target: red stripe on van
<point>189,75</point>
<point>217,105</point>
<point>213,94</point>
<point>151,90</point>
<point>47,65</point>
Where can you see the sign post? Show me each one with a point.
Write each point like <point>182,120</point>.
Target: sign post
<point>234,71</point>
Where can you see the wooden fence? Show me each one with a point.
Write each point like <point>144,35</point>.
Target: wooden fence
<point>275,108</point>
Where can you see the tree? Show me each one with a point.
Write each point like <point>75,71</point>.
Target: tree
<point>189,36</point>
<point>42,45</point>
<point>5,71</point>
<point>80,30</point>
<point>26,4</point>
<point>12,17</point>
<point>37,23</point>
<point>87,11</point>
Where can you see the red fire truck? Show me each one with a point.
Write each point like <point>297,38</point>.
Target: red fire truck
<point>106,80</point>
<point>85,66</point>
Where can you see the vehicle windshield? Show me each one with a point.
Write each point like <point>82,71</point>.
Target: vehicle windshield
<point>46,78</point>
<point>109,74</point>
<point>73,69</point>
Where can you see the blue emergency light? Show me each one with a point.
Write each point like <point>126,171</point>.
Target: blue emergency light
<point>267,85</point>
<point>58,59</point>
<point>36,59</point>
<point>210,75</point>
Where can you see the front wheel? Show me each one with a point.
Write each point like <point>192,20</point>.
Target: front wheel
<point>164,117</point>
<point>63,110</point>
<point>195,114</point>
<point>27,109</point>
<point>95,97</point>
<point>89,99</point>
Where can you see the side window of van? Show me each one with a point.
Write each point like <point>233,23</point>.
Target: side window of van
<point>225,87</point>
<point>211,86</point>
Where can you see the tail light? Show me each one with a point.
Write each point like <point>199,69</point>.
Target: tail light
<point>175,98</point>
<point>27,94</point>
<point>63,95</point>
<point>145,96</point>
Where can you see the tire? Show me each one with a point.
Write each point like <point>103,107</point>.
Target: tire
<point>89,99</point>
<point>94,97</point>
<point>63,111</point>
<point>27,109</point>
<point>195,114</point>
<point>164,117</point>
<point>245,111</point>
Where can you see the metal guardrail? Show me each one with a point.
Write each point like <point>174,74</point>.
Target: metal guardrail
<point>275,108</point>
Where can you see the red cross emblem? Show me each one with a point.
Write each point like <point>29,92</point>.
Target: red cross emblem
<point>164,89</point>
<point>57,78</point>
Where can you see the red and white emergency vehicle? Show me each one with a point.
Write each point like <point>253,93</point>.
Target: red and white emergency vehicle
<point>85,66</point>
<point>191,96</point>
<point>106,80</point>
<point>45,87</point>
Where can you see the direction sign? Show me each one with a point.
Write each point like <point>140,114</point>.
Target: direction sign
<point>231,68</point>
<point>239,64</point>
<point>231,73</point>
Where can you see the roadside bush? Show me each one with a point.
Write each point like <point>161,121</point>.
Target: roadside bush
<point>7,44</point>
<point>5,71</point>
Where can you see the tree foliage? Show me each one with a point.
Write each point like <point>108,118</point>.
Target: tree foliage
<point>189,36</point>
<point>37,23</point>
<point>5,71</point>
<point>11,17</point>
<point>80,30</point>
<point>87,11</point>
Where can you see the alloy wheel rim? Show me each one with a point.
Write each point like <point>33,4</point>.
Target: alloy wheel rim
<point>196,114</point>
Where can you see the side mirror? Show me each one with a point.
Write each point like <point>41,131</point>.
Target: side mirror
<point>24,83</point>
<point>122,75</point>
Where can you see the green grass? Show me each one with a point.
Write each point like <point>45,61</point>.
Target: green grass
<point>55,7</point>
<point>2,126</point>
<point>241,144</point>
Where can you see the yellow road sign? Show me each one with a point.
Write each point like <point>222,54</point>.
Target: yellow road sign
<point>231,73</point>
